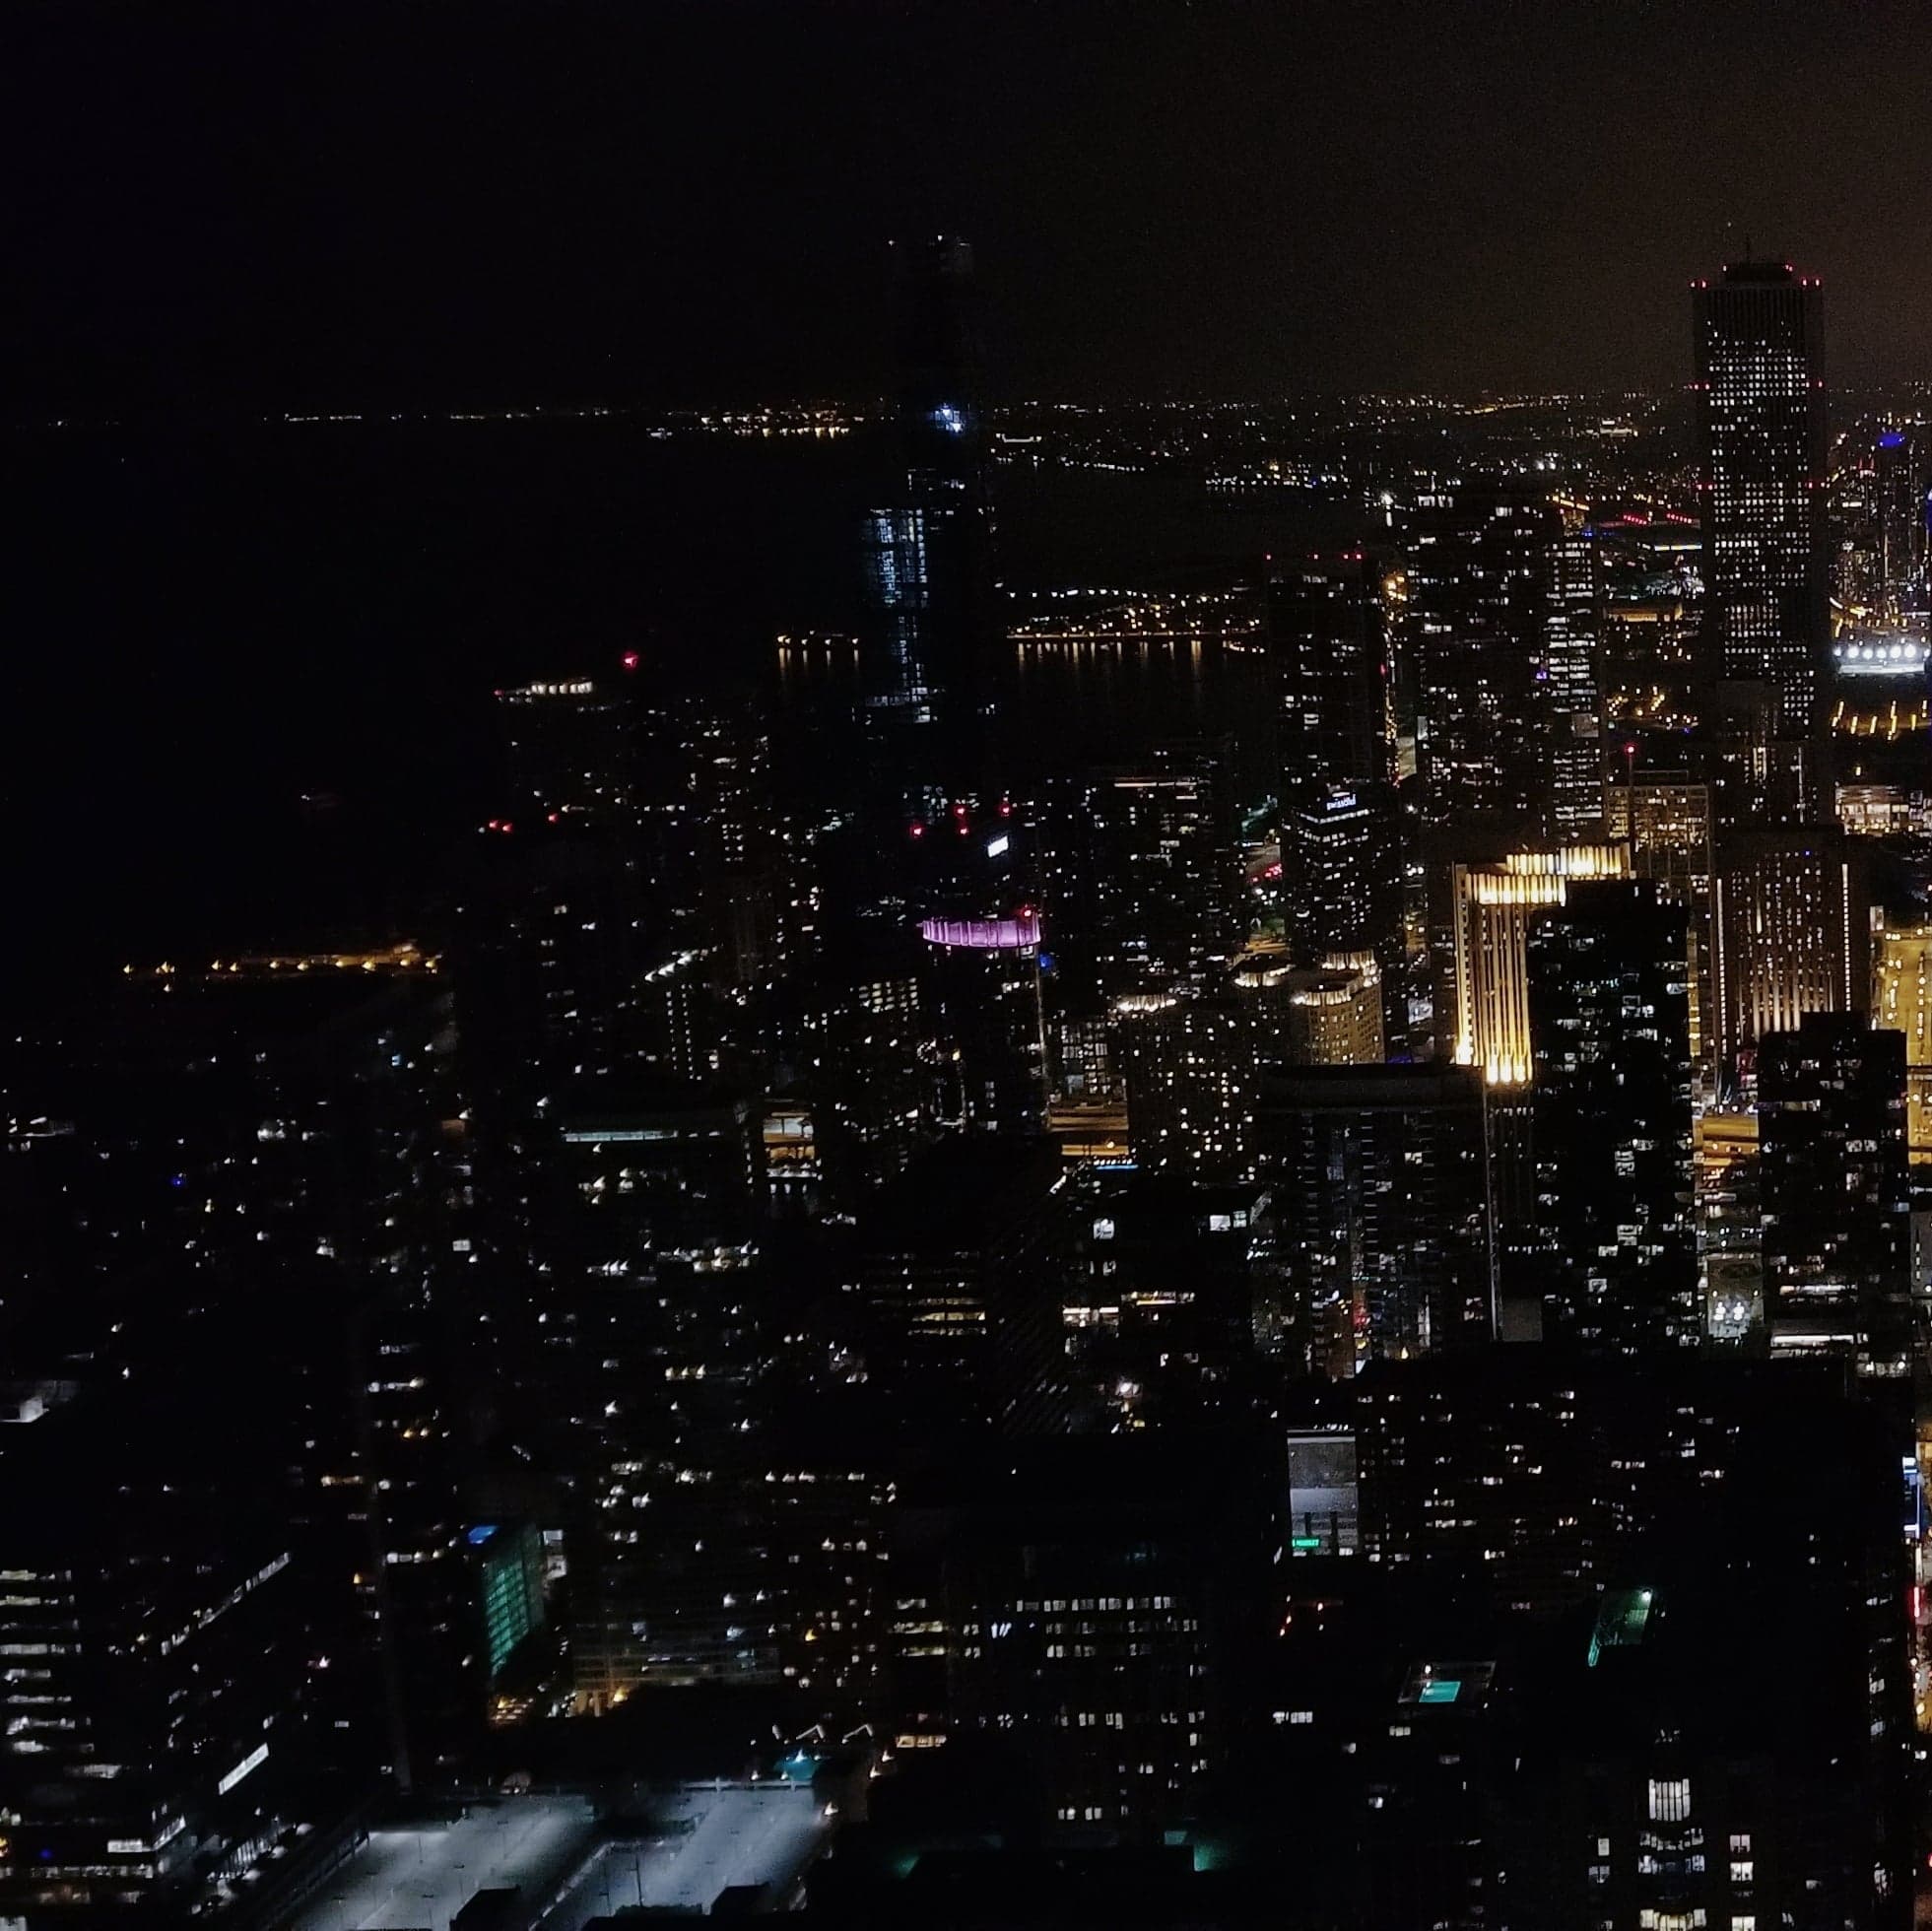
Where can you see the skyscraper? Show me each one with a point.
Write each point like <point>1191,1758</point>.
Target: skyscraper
<point>1383,1202</point>
<point>1902,986</point>
<point>1615,1251</point>
<point>1493,905</point>
<point>1760,413</point>
<point>927,653</point>
<point>1340,846</point>
<point>1139,875</point>
<point>1836,1192</point>
<point>1566,685</point>
<point>937,844</point>
<point>1904,520</point>
<point>1791,935</point>
<point>1479,573</point>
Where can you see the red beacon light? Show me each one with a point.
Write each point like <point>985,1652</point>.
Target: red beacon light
<point>916,830</point>
<point>631,660</point>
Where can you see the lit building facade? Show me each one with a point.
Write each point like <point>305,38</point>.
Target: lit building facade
<point>1791,935</point>
<point>1759,331</point>
<point>1493,906</point>
<point>1480,569</point>
<point>1139,871</point>
<point>1335,1012</point>
<point>1566,685</point>
<point>1903,1004</point>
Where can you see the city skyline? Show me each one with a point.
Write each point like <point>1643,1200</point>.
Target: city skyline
<point>956,1157</point>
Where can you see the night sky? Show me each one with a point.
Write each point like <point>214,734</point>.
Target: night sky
<point>278,205</point>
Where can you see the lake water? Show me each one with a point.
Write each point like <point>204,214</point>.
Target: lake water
<point>204,628</point>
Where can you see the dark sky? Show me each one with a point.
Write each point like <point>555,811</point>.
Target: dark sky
<point>684,200</point>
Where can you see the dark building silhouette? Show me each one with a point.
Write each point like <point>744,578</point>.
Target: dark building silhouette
<point>1383,1201</point>
<point>1341,834</point>
<point>1837,1193</point>
<point>1614,1248</point>
<point>956,1276</point>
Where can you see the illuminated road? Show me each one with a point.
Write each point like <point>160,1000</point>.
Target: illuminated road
<point>422,1876</point>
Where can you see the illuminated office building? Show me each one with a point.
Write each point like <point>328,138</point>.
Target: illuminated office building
<point>1761,406</point>
<point>1904,1005</point>
<point>157,1670</point>
<point>1613,1251</point>
<point>1193,1069</point>
<point>1493,906</point>
<point>1065,1627</point>
<point>1836,1192</point>
<point>637,1341</point>
<point>1730,1226</point>
<point>1664,818</point>
<point>1791,935</point>
<point>987,1066</point>
<point>925,659</point>
<point>1567,688</point>
<point>1344,847</point>
<point>937,841</point>
<point>1139,872</point>
<point>1480,567</point>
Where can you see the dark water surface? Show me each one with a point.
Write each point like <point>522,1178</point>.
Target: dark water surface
<point>204,628</point>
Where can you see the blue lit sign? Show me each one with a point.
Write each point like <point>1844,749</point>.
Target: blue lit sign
<point>1892,439</point>
<point>949,418</point>
<point>482,1534</point>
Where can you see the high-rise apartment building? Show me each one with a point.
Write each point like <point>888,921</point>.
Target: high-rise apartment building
<point>1903,488</point>
<point>1614,1250</point>
<point>1836,1191</point>
<point>1383,1197</point>
<point>1139,873</point>
<point>1481,564</point>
